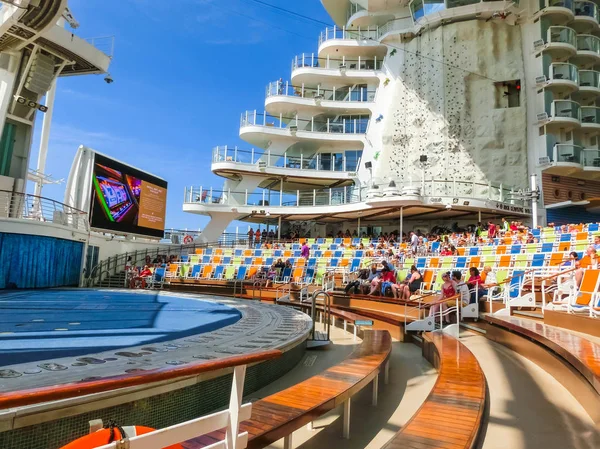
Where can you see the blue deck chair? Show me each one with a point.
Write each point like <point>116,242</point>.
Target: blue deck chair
<point>195,271</point>
<point>312,262</point>
<point>515,283</point>
<point>318,254</point>
<point>338,241</point>
<point>309,276</point>
<point>286,274</point>
<point>269,261</point>
<point>320,241</point>
<point>461,262</point>
<point>359,253</point>
<point>248,261</point>
<point>356,242</point>
<point>566,237</point>
<point>185,258</point>
<point>593,227</point>
<point>474,251</point>
<point>538,260</point>
<point>278,253</point>
<point>338,254</point>
<point>496,241</point>
<point>421,262</point>
<point>206,259</point>
<point>435,247</point>
<point>297,253</point>
<point>226,260</point>
<point>547,247</point>
<point>296,246</point>
<point>515,249</point>
<point>208,251</point>
<point>355,265</point>
<point>258,253</point>
<point>314,247</point>
<point>333,263</point>
<point>241,274</point>
<point>333,247</point>
<point>218,274</point>
<point>536,233</point>
<point>237,253</point>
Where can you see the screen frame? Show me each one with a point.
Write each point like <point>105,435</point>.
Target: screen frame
<point>123,228</point>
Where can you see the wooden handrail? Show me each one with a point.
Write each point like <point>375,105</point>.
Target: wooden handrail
<point>507,280</point>
<point>442,301</point>
<point>55,393</point>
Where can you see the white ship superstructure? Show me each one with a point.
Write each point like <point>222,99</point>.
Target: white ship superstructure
<point>436,112</point>
<point>37,45</point>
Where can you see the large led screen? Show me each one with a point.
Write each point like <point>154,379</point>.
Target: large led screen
<point>127,200</point>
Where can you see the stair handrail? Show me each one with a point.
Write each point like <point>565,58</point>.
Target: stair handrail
<point>326,312</point>
<point>547,289</point>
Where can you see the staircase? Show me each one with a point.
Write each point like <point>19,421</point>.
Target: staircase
<point>114,281</point>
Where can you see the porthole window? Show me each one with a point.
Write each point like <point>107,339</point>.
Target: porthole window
<point>570,195</point>
<point>581,196</point>
<point>556,193</point>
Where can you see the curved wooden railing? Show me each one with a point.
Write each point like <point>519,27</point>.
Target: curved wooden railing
<point>55,393</point>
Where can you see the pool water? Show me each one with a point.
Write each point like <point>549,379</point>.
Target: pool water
<point>41,325</point>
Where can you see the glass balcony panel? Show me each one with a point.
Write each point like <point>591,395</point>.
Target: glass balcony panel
<point>420,8</point>
<point>591,158</point>
<point>562,35</point>
<point>556,4</point>
<point>457,3</point>
<point>311,60</point>
<point>589,78</point>
<point>344,93</point>
<point>566,109</point>
<point>587,42</point>
<point>586,8</point>
<point>567,153</point>
<point>590,114</point>
<point>567,72</point>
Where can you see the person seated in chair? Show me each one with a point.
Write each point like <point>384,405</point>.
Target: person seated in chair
<point>410,285</point>
<point>384,281</point>
<point>363,276</point>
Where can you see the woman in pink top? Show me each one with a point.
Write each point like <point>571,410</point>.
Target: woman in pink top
<point>448,291</point>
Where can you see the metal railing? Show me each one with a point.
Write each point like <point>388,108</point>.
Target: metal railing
<point>564,109</point>
<point>312,60</point>
<point>369,33</point>
<point>337,162</point>
<point>568,4</point>
<point>354,8</point>
<point>318,124</point>
<point>561,35</point>
<point>565,153</point>
<point>561,71</point>
<point>345,93</point>
<point>106,44</point>
<point>584,8</point>
<point>589,78</point>
<point>345,195</point>
<point>591,158</point>
<point>24,206</point>
<point>588,43</point>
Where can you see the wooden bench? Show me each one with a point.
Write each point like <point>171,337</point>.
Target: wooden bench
<point>451,416</point>
<point>280,414</point>
<point>578,367</point>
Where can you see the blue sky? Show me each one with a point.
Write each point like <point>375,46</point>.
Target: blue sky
<point>184,70</point>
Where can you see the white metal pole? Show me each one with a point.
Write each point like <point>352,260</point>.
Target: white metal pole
<point>401,222</point>
<point>279,229</point>
<point>46,126</point>
<point>534,200</point>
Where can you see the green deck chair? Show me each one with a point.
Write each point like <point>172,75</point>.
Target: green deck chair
<point>229,272</point>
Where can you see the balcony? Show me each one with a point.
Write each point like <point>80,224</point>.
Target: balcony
<point>294,168</point>
<point>588,49</point>
<point>561,42</point>
<point>352,43</point>
<point>309,69</point>
<point>566,159</point>
<point>300,204</point>
<point>591,160</point>
<point>589,83</point>
<point>560,10</point>
<point>259,128</point>
<point>563,114</point>
<point>281,97</point>
<point>586,16</point>
<point>590,119</point>
<point>561,77</point>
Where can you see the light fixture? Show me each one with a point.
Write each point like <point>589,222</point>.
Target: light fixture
<point>392,184</point>
<point>380,118</point>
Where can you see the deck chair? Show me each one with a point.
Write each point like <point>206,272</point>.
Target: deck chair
<point>421,262</point>
<point>504,261</point>
<point>593,227</point>
<point>309,277</point>
<point>241,273</point>
<point>586,298</point>
<point>298,275</point>
<point>229,272</point>
<point>207,272</point>
<point>195,273</point>
<point>206,259</point>
<point>354,265</point>
<point>474,251</point>
<point>515,249</point>
<point>547,247</point>
<point>461,263</point>
<point>218,274</point>
<point>538,260</point>
<point>285,275</point>
<point>434,262</point>
<point>435,247</point>
<point>521,261</point>
<point>556,259</point>
<point>475,262</point>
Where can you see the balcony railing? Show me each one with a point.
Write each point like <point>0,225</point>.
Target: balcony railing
<point>562,71</point>
<point>590,115</point>
<point>318,124</point>
<point>562,35</point>
<point>584,8</point>
<point>566,153</point>
<point>36,208</point>
<point>564,109</point>
<point>354,8</point>
<point>345,93</point>
<point>337,162</point>
<point>360,34</point>
<point>589,78</point>
<point>588,42</point>
<point>567,4</point>
<point>344,195</point>
<point>591,158</point>
<point>106,44</point>
<point>312,60</point>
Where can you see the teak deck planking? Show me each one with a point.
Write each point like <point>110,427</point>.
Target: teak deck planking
<point>278,415</point>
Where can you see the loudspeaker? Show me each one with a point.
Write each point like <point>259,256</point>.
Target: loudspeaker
<point>423,158</point>
<point>368,165</point>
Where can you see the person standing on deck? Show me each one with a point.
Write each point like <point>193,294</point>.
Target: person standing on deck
<point>305,251</point>
<point>250,237</point>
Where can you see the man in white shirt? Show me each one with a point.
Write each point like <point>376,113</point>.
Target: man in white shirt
<point>414,242</point>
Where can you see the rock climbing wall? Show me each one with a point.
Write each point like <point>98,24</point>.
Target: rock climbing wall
<point>449,114</point>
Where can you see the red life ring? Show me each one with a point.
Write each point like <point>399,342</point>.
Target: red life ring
<point>188,239</point>
<point>102,437</point>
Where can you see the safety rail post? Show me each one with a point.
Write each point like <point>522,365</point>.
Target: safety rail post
<point>314,197</point>
<point>252,156</point>
<point>297,198</point>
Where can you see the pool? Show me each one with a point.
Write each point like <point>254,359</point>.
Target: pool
<point>39,325</point>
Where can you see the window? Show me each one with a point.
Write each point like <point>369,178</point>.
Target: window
<point>508,94</point>
<point>353,160</point>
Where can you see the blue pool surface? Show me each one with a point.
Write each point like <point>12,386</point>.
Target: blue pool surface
<point>41,325</point>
